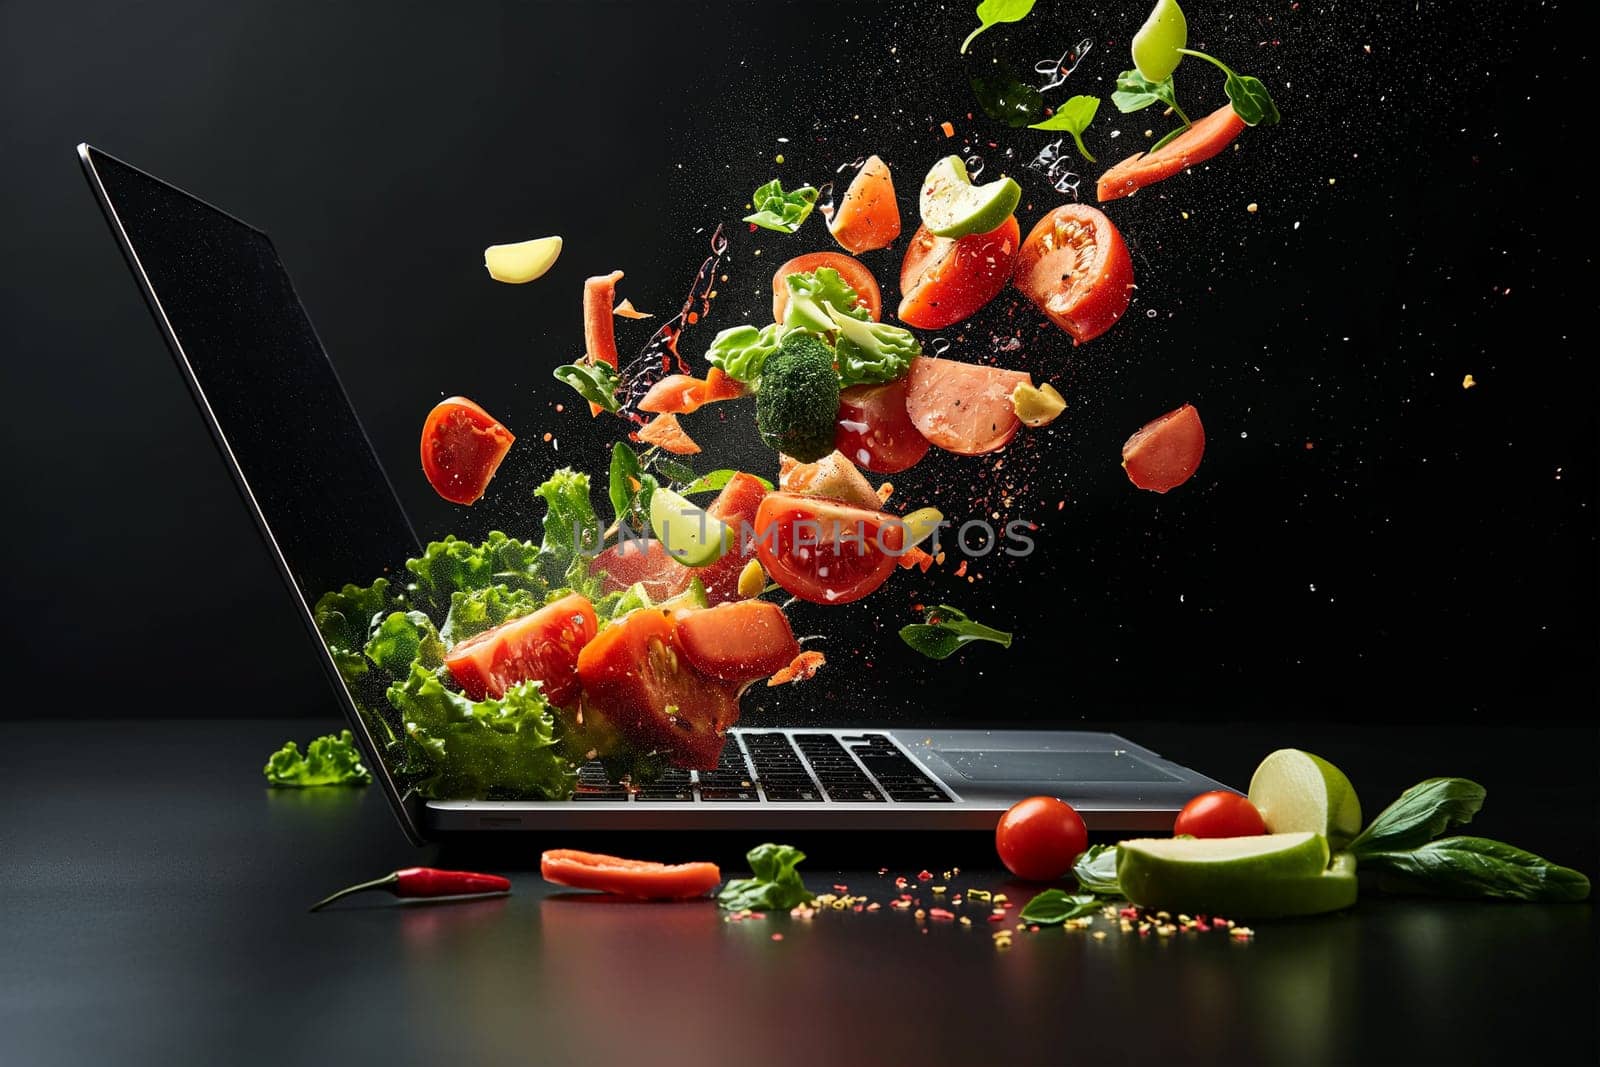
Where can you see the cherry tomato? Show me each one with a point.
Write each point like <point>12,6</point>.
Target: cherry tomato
<point>853,271</point>
<point>1075,266</point>
<point>1165,453</point>
<point>826,551</point>
<point>462,446</point>
<point>1219,813</point>
<point>738,642</point>
<point>1198,143</point>
<point>963,407</point>
<point>944,281</point>
<point>867,217</point>
<point>642,560</point>
<point>1039,839</point>
<point>874,430</point>
<point>541,647</point>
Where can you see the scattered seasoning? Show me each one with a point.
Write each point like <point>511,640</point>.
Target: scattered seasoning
<point>1252,207</point>
<point>924,876</point>
<point>942,914</point>
<point>948,128</point>
<point>777,937</point>
<point>1468,381</point>
<point>1099,935</point>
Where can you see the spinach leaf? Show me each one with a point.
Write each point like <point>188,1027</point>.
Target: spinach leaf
<point>1074,116</point>
<point>1422,813</point>
<point>1135,92</point>
<point>716,480</point>
<point>1250,99</point>
<point>1476,867</point>
<point>994,12</point>
<point>595,382</point>
<point>945,629</point>
<point>625,486</point>
<point>678,473</point>
<point>1006,98</point>
<point>776,884</point>
<point>1096,871</point>
<point>1055,906</point>
<point>781,211</point>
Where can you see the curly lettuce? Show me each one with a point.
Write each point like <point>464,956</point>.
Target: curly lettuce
<point>870,352</point>
<point>741,351</point>
<point>402,638</point>
<point>461,749</point>
<point>346,619</point>
<point>453,565</point>
<point>329,760</point>
<point>811,295</point>
<point>473,612</point>
<point>779,210</point>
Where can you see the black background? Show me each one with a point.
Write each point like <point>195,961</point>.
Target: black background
<point>1365,540</point>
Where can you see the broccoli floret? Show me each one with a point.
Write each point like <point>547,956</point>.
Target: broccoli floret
<point>799,399</point>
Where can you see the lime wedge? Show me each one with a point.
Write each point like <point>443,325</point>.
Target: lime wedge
<point>953,207</point>
<point>523,261</point>
<point>1247,877</point>
<point>1295,790</point>
<point>689,535</point>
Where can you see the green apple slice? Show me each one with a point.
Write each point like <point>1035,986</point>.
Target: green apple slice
<point>689,534</point>
<point>1295,790</point>
<point>1267,876</point>
<point>523,261</point>
<point>953,207</point>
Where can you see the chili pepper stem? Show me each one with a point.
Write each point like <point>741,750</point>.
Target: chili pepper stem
<point>377,883</point>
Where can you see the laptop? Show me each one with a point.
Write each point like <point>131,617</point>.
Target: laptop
<point>273,400</point>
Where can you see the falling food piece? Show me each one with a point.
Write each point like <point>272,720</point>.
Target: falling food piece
<point>1037,406</point>
<point>1252,207</point>
<point>803,668</point>
<point>948,128</point>
<point>626,310</point>
<point>664,432</point>
<point>523,261</point>
<point>1468,382</point>
<point>752,580</point>
<point>599,332</point>
<point>1165,452</point>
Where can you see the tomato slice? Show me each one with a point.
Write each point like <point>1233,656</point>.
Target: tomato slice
<point>739,642</point>
<point>963,407</point>
<point>1197,144</point>
<point>599,322</point>
<point>543,647</point>
<point>1075,266</point>
<point>462,446</point>
<point>944,281</point>
<point>665,432</point>
<point>637,681</point>
<point>1165,453</point>
<point>853,271</point>
<point>874,430</point>
<point>826,551</point>
<point>643,560</point>
<point>640,879</point>
<point>867,217</point>
<point>736,505</point>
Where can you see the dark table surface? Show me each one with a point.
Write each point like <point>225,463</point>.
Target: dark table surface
<point>155,900</point>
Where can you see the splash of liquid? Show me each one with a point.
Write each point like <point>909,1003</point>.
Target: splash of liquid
<point>1055,164</point>
<point>1057,71</point>
<point>660,356</point>
<point>974,166</point>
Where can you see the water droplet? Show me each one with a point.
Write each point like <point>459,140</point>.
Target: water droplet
<point>1150,314</point>
<point>974,166</point>
<point>938,346</point>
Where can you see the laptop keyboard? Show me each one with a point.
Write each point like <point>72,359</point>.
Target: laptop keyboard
<point>770,766</point>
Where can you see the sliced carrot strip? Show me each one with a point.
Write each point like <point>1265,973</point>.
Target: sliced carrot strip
<point>626,310</point>
<point>721,387</point>
<point>802,668</point>
<point>916,557</point>
<point>676,394</point>
<point>1198,143</point>
<point>664,432</point>
<point>599,330</point>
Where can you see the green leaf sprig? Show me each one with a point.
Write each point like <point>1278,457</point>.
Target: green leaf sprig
<point>1096,871</point>
<point>775,884</point>
<point>1250,99</point>
<point>993,12</point>
<point>779,210</point>
<point>1073,116</point>
<point>595,382</point>
<point>944,630</point>
<point>1052,907</point>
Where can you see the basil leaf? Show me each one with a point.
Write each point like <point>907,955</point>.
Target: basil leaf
<point>1074,116</point>
<point>1167,139</point>
<point>1006,98</point>
<point>1096,871</point>
<point>1422,813</point>
<point>1477,867</point>
<point>945,629</point>
<point>1055,906</point>
<point>716,480</point>
<point>595,382</point>
<point>994,12</point>
<point>680,473</point>
<point>776,884</point>
<point>1135,92</point>
<point>781,211</point>
<point>1250,99</point>
<point>623,482</point>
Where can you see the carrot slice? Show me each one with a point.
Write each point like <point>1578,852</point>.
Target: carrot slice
<point>721,387</point>
<point>1198,143</point>
<point>916,557</point>
<point>664,432</point>
<point>599,328</point>
<point>676,394</point>
<point>803,668</point>
<point>640,879</point>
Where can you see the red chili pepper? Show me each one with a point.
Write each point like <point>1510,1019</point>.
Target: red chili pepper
<point>427,882</point>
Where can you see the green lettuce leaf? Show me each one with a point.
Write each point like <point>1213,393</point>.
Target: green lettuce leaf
<point>329,760</point>
<point>870,352</point>
<point>405,637</point>
<point>811,291</point>
<point>781,211</point>
<point>345,619</point>
<point>595,382</point>
<point>452,565</point>
<point>741,351</point>
<point>460,749</point>
<point>776,884</point>
<point>572,531</point>
<point>483,609</point>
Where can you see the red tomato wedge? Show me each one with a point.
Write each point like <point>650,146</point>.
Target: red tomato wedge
<point>540,647</point>
<point>736,505</point>
<point>867,217</point>
<point>1165,453</point>
<point>944,281</point>
<point>643,560</point>
<point>599,325</point>
<point>462,446</point>
<point>739,642</point>
<point>637,681</point>
<point>639,879</point>
<point>826,551</point>
<point>874,430</point>
<point>1075,266</point>
<point>963,407</point>
<point>1198,143</point>
<point>853,271</point>
<point>676,394</point>
<point>664,432</point>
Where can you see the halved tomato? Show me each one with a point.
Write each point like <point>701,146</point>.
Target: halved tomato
<point>874,430</point>
<point>867,217</point>
<point>540,647</point>
<point>736,505</point>
<point>645,560</point>
<point>853,271</point>
<point>1198,143</point>
<point>462,446</point>
<point>1075,266</point>
<point>963,407</point>
<point>740,642</point>
<point>826,551</point>
<point>1166,452</point>
<point>944,281</point>
<point>637,681</point>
